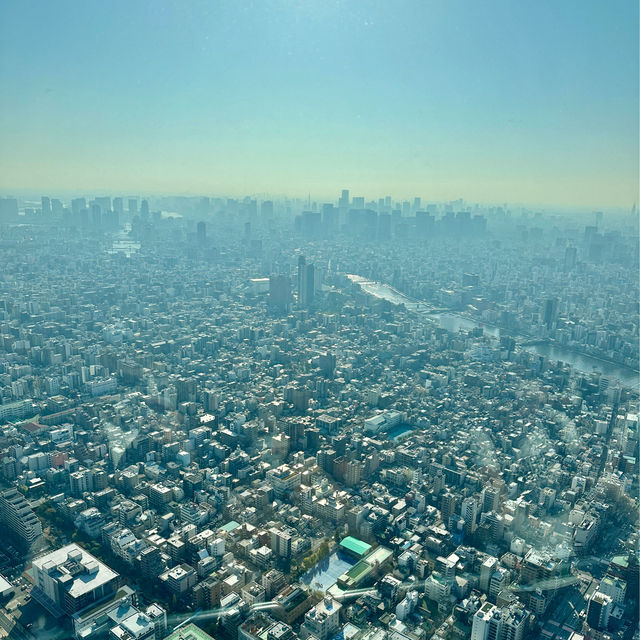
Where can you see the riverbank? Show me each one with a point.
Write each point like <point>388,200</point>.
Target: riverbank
<point>453,321</point>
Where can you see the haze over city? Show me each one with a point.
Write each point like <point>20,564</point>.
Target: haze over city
<point>319,320</point>
<point>526,103</point>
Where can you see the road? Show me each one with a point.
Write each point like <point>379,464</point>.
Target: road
<point>14,628</point>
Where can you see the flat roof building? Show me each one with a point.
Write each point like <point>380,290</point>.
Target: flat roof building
<point>6,588</point>
<point>354,547</point>
<point>72,578</point>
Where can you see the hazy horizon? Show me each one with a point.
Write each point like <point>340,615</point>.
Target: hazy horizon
<point>531,105</point>
<point>33,197</point>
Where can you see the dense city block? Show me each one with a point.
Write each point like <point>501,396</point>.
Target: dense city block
<point>258,419</point>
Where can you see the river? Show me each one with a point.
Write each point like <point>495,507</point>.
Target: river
<point>626,376</point>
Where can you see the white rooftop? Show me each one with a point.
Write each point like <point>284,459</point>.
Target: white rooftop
<point>92,574</point>
<point>5,585</point>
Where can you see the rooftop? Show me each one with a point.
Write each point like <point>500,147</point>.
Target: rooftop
<point>189,632</point>
<point>76,569</point>
<point>4,585</point>
<point>354,545</point>
<point>230,526</point>
<point>379,556</point>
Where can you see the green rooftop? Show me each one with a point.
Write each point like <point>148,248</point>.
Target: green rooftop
<point>355,575</point>
<point>230,526</point>
<point>357,571</point>
<point>189,632</point>
<point>355,546</point>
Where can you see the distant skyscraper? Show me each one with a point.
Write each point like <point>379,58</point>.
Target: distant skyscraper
<point>104,202</point>
<point>306,282</point>
<point>56,207</point>
<point>78,205</point>
<point>344,198</point>
<point>133,206</point>
<point>202,232</point>
<point>144,208</point>
<point>46,206</point>
<point>550,312</point>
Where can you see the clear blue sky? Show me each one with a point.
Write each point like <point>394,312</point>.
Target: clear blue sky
<point>493,101</point>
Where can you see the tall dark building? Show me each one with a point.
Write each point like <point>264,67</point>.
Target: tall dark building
<point>598,611</point>
<point>202,232</point>
<point>306,282</point>
<point>550,312</point>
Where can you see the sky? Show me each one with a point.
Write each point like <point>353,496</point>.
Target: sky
<point>488,100</point>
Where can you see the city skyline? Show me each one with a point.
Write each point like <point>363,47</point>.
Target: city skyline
<point>532,105</point>
<point>319,320</point>
<point>250,421</point>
